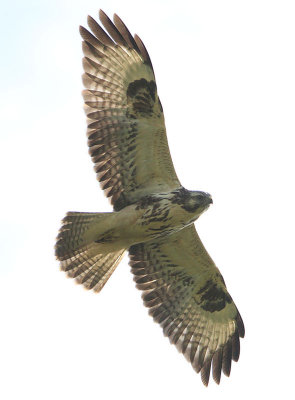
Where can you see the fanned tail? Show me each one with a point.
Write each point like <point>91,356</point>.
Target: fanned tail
<point>81,257</point>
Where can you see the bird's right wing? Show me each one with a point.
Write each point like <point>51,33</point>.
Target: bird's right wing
<point>126,129</point>
<point>187,295</point>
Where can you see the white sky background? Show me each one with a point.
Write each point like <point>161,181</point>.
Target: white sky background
<point>225,75</point>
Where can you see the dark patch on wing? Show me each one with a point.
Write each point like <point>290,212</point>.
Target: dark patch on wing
<point>141,96</point>
<point>135,86</point>
<point>213,298</point>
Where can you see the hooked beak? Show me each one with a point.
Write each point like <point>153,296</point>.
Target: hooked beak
<point>209,198</point>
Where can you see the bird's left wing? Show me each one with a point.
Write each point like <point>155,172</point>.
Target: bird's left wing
<point>187,295</point>
<point>126,129</point>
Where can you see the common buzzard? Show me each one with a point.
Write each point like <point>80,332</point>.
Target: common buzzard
<point>154,214</point>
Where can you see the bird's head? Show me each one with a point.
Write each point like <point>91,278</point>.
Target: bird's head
<point>198,202</point>
<point>194,202</point>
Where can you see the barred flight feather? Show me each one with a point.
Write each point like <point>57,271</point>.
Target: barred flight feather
<point>115,62</point>
<point>185,305</point>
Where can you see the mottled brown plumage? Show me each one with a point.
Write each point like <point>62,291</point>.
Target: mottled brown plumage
<point>186,294</point>
<point>124,113</point>
<point>153,214</point>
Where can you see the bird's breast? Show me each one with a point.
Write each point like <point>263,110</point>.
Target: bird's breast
<point>162,218</point>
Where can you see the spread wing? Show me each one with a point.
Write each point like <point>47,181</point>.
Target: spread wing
<point>126,130</point>
<point>187,295</point>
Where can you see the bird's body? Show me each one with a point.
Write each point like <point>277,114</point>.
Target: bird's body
<point>153,214</point>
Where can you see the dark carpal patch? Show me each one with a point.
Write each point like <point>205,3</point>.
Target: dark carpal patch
<point>213,298</point>
<point>141,97</point>
<point>135,86</point>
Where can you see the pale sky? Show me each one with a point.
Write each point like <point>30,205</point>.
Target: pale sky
<point>225,75</point>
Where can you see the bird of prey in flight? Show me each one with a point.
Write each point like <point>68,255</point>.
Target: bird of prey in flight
<point>153,217</point>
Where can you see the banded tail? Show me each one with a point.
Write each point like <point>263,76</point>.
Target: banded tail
<point>81,255</point>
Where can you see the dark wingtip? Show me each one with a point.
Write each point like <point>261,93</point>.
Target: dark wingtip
<point>241,326</point>
<point>102,14</point>
<point>227,357</point>
<point>111,29</point>
<point>205,372</point>
<point>81,30</point>
<point>124,31</point>
<point>217,364</point>
<point>235,346</point>
<point>99,33</point>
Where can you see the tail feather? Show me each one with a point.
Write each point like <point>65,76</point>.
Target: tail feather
<point>80,256</point>
<point>77,232</point>
<point>92,272</point>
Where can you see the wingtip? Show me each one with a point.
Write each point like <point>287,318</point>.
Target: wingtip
<point>236,346</point>
<point>205,372</point>
<point>84,33</point>
<point>205,382</point>
<point>217,364</point>
<point>90,19</point>
<point>227,358</point>
<point>102,14</point>
<point>241,326</point>
<point>117,19</point>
